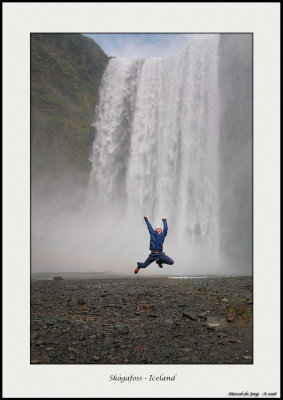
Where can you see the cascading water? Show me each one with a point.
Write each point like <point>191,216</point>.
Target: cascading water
<point>156,146</point>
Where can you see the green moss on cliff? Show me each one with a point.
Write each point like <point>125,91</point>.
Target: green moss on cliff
<point>66,71</point>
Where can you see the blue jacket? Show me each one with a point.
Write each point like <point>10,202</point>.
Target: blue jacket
<point>156,240</point>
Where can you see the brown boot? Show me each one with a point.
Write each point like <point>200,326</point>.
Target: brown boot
<point>159,264</point>
<point>136,270</point>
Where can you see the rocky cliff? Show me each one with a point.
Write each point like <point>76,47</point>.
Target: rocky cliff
<point>66,71</point>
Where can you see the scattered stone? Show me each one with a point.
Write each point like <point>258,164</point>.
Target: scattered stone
<point>222,335</point>
<point>57,278</point>
<point>239,309</point>
<point>202,316</point>
<point>81,301</point>
<point>230,317</point>
<point>184,359</point>
<point>187,350</point>
<point>121,329</point>
<point>83,308</point>
<point>232,340</point>
<point>146,306</point>
<point>247,357</point>
<point>213,327</point>
<point>86,334</point>
<point>40,342</point>
<point>189,315</point>
<point>224,300</point>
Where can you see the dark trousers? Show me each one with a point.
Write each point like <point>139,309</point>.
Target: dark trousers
<point>161,257</point>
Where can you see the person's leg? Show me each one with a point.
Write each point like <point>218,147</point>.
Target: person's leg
<point>148,261</point>
<point>164,259</point>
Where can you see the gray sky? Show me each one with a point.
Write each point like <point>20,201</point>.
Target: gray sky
<point>135,45</point>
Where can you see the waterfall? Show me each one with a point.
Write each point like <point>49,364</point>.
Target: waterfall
<point>173,137</point>
<point>155,151</point>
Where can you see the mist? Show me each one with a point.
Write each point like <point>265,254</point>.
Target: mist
<point>100,237</point>
<point>174,138</point>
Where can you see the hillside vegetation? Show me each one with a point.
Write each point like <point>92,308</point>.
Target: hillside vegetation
<point>66,71</point>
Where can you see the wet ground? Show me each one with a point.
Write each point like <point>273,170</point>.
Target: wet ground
<point>142,321</point>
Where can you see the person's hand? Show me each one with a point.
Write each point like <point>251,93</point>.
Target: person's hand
<point>144,216</point>
<point>164,217</point>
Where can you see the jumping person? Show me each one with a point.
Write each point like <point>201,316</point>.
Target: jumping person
<point>156,246</point>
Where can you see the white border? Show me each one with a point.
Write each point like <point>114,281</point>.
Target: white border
<point>19,19</point>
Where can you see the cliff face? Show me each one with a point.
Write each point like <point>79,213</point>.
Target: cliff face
<point>236,147</point>
<point>66,71</point>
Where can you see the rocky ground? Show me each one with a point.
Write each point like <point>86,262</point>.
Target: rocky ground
<point>142,321</point>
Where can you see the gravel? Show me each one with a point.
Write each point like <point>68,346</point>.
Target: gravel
<point>142,321</point>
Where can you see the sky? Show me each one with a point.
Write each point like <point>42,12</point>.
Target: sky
<point>135,45</point>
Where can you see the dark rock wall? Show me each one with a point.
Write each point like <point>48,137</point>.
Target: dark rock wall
<point>66,71</point>
<point>236,138</point>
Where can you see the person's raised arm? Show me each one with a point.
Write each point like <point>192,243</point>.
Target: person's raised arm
<point>150,228</point>
<point>165,230</point>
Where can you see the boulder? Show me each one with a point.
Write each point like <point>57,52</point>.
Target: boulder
<point>83,308</point>
<point>191,315</point>
<point>213,327</point>
<point>49,349</point>
<point>230,317</point>
<point>202,316</point>
<point>185,359</point>
<point>121,329</point>
<point>187,350</point>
